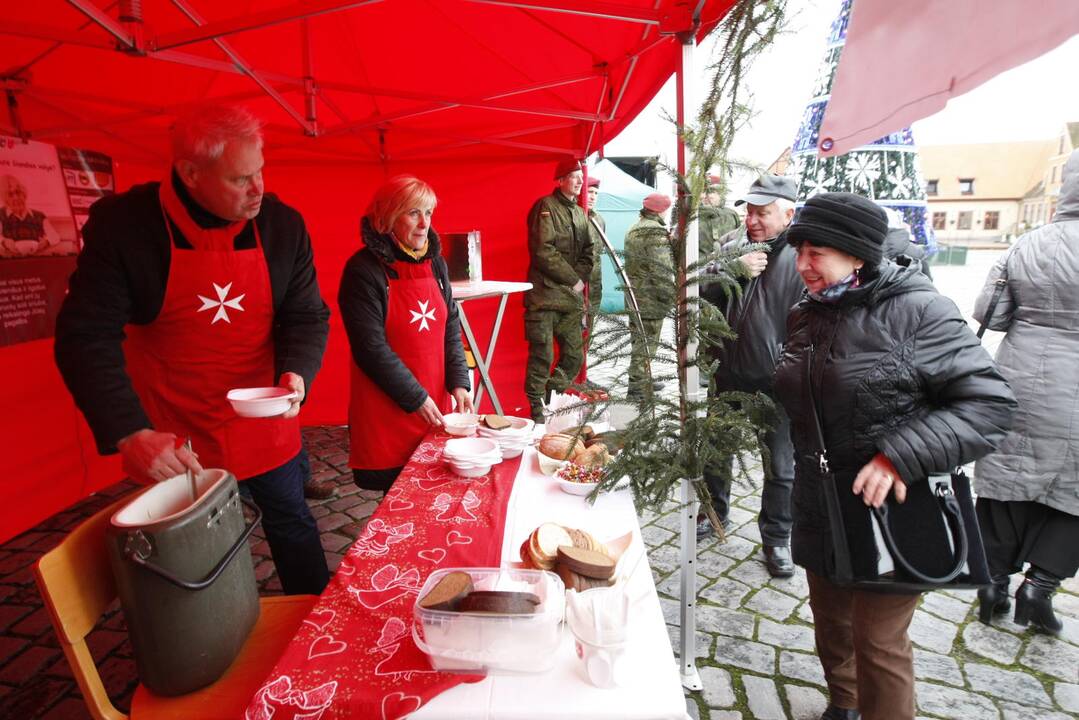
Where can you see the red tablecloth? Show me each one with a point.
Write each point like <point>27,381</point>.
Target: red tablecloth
<point>353,656</point>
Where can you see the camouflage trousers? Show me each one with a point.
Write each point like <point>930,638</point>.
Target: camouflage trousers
<point>643,347</point>
<point>542,329</point>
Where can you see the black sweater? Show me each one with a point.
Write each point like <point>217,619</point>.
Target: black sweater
<point>120,278</point>
<point>364,300</point>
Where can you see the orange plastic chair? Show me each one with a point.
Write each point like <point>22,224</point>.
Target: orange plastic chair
<point>76,582</point>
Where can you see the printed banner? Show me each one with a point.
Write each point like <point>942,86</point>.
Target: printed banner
<point>45,196</point>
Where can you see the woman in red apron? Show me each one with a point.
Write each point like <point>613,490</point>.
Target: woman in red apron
<point>408,364</point>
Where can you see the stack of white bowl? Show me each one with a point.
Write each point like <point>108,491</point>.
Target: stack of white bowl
<point>471,457</point>
<point>462,424</point>
<point>514,439</point>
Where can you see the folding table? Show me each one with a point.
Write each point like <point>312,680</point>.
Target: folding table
<point>464,291</point>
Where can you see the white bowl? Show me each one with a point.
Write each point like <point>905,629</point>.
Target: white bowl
<point>575,488</point>
<point>511,452</point>
<point>460,423</point>
<point>465,447</point>
<point>549,465</point>
<point>260,402</point>
<point>469,470</point>
<point>485,459</point>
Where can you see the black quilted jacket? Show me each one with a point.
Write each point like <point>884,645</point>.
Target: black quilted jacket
<point>894,369</point>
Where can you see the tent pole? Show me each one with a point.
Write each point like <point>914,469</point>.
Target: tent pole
<point>255,21</point>
<point>691,679</point>
<point>310,89</point>
<point>245,67</point>
<point>111,26</point>
<point>607,10</point>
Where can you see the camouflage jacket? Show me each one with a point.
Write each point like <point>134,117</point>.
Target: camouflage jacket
<point>595,282</point>
<point>649,267</point>
<point>560,253</point>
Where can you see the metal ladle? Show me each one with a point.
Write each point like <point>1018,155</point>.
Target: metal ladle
<point>191,475</point>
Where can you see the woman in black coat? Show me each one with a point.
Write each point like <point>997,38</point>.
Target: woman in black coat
<point>408,363</point>
<point>903,389</point>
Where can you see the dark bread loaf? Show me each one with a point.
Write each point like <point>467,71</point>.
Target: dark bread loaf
<point>448,592</point>
<point>502,603</point>
<point>530,597</point>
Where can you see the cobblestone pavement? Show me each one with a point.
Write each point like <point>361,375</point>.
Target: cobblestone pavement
<point>755,649</point>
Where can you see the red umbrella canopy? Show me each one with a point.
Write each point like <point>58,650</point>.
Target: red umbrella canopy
<point>359,81</point>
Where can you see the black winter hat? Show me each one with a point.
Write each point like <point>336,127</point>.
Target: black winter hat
<point>844,221</point>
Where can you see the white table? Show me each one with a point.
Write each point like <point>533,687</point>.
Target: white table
<point>653,690</point>
<point>464,291</point>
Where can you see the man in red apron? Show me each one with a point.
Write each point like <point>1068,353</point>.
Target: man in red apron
<point>213,285</point>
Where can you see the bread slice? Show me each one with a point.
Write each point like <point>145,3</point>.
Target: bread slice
<point>578,582</point>
<point>448,592</point>
<point>496,422</point>
<point>590,563</point>
<point>548,538</point>
<point>526,556</point>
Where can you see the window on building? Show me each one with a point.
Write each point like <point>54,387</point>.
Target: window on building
<point>930,187</point>
<point>940,220</point>
<point>966,186</point>
<point>992,220</point>
<point>965,219</point>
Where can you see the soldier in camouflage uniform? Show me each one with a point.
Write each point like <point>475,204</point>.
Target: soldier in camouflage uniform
<point>595,282</point>
<point>560,250</point>
<point>713,220</point>
<point>651,272</point>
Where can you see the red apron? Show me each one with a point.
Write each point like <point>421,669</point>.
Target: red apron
<point>382,434</point>
<point>214,333</point>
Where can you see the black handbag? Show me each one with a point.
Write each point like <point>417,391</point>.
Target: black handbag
<point>929,542</point>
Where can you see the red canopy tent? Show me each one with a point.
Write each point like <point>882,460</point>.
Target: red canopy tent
<point>478,97</point>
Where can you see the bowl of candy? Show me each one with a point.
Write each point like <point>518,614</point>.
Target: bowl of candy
<point>577,479</point>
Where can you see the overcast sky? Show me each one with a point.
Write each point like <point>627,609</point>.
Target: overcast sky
<point>1029,102</point>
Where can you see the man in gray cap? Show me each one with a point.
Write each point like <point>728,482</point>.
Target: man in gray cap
<point>771,285</point>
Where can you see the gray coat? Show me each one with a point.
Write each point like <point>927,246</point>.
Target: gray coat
<point>1039,310</point>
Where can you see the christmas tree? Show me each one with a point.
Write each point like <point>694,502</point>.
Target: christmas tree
<point>886,170</point>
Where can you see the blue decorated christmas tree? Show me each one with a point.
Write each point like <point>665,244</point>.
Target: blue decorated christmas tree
<point>886,170</point>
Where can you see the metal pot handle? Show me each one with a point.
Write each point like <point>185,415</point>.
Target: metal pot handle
<point>140,554</point>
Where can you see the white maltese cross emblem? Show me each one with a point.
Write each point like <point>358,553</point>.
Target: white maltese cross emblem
<point>221,303</point>
<point>423,315</point>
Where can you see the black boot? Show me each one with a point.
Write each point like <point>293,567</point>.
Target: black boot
<point>833,712</point>
<point>1034,601</point>
<point>993,600</point>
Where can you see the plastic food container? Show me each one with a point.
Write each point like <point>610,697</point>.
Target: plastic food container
<point>493,643</point>
<point>261,402</point>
